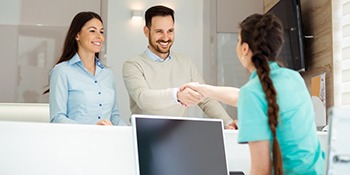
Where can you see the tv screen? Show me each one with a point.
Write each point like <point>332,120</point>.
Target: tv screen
<point>292,53</point>
<point>174,146</point>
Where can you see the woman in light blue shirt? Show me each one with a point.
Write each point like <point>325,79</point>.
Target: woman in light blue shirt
<point>82,90</point>
<point>275,112</point>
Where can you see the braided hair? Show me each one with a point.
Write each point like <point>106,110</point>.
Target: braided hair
<point>264,35</point>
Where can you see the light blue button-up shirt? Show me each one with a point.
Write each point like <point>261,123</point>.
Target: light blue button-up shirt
<point>77,96</point>
<point>156,57</point>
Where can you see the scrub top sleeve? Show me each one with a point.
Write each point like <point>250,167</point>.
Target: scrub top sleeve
<point>252,117</point>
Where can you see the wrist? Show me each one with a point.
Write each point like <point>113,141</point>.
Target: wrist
<point>178,98</point>
<point>176,95</point>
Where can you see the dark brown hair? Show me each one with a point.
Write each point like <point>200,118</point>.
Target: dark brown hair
<point>264,35</point>
<point>158,10</point>
<point>70,47</point>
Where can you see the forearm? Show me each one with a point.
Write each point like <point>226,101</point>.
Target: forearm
<point>115,114</point>
<point>214,109</point>
<point>227,95</point>
<point>150,99</point>
<point>58,106</point>
<point>260,157</point>
<point>60,118</point>
<point>115,117</point>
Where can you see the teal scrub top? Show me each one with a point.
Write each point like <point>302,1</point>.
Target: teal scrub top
<point>296,130</point>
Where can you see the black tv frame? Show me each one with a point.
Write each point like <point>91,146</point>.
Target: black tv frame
<point>292,53</point>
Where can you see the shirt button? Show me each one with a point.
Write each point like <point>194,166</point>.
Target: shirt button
<point>100,104</point>
<point>95,81</point>
<point>99,117</point>
<point>99,93</point>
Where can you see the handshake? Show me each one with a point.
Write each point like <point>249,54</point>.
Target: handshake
<point>193,93</point>
<point>190,94</point>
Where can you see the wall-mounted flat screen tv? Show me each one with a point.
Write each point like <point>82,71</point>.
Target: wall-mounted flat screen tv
<point>292,53</point>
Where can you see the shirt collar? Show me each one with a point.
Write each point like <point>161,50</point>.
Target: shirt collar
<point>155,57</point>
<point>273,65</point>
<point>76,59</point>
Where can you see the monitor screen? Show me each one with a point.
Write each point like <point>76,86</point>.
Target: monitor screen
<point>173,146</point>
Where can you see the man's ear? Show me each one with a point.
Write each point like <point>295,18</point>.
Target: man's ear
<point>146,31</point>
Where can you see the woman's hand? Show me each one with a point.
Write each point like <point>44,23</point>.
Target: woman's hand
<point>104,122</point>
<point>192,85</point>
<point>188,97</point>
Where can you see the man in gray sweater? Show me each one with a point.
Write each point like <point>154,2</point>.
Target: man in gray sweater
<point>153,78</point>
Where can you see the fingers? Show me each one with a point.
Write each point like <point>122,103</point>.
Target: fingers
<point>232,125</point>
<point>189,97</point>
<point>104,122</point>
<point>192,85</point>
<point>183,87</point>
<point>108,122</point>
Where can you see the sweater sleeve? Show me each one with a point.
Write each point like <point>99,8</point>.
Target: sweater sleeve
<point>210,107</point>
<point>140,92</point>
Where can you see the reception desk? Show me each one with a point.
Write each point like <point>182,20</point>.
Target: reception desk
<point>56,149</point>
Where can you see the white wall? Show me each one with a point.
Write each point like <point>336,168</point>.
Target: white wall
<point>231,12</point>
<point>126,39</point>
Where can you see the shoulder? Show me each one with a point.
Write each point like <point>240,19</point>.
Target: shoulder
<point>136,64</point>
<point>289,71</point>
<point>60,70</point>
<point>182,59</point>
<point>139,58</point>
<point>137,61</point>
<point>252,90</point>
<point>288,75</point>
<point>293,73</point>
<point>108,70</point>
<point>61,67</point>
<point>181,56</point>
<point>252,86</point>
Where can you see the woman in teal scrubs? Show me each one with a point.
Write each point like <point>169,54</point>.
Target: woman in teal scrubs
<point>275,111</point>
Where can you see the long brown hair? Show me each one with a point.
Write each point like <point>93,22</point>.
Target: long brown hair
<point>264,35</point>
<point>70,47</point>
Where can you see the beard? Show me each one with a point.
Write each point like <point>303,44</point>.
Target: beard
<point>155,46</point>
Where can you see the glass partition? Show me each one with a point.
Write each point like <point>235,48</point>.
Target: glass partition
<point>32,35</point>
<point>230,72</point>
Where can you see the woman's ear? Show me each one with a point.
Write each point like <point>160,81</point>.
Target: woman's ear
<point>245,48</point>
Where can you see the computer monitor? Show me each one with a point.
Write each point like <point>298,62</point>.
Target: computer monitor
<point>338,159</point>
<point>179,145</point>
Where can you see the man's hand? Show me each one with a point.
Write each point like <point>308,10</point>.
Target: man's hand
<point>188,96</point>
<point>232,125</point>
